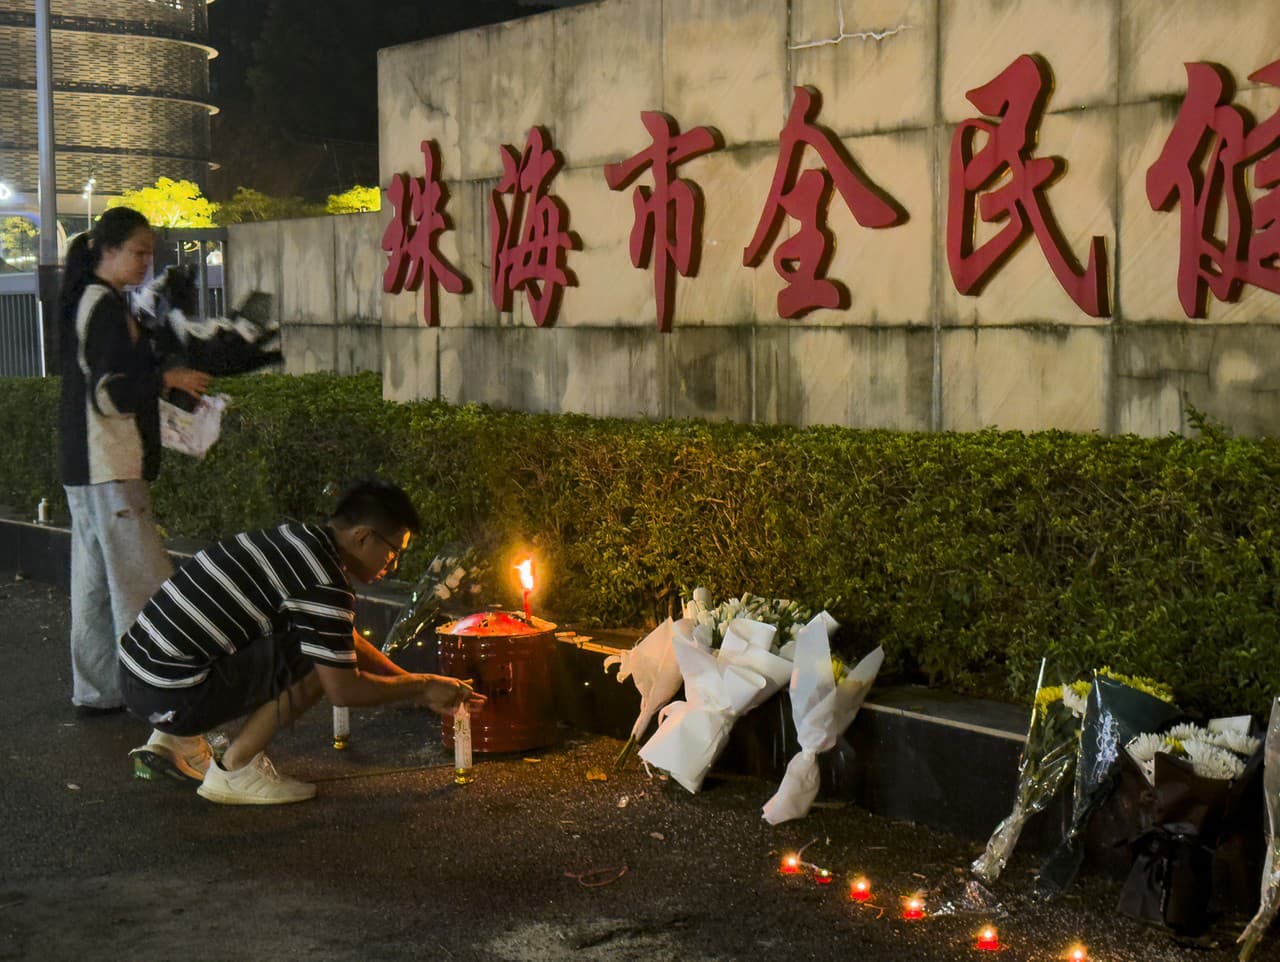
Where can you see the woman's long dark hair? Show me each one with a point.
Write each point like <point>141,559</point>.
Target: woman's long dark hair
<point>114,227</point>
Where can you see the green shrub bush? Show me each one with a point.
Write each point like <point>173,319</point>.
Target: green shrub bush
<point>969,556</point>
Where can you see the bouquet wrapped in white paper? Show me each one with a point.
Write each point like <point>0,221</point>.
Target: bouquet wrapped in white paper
<point>822,706</point>
<point>720,686</point>
<point>652,666</point>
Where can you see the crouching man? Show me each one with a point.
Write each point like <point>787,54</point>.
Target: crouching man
<point>258,627</point>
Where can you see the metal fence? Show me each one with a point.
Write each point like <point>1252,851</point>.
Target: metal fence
<point>21,343</point>
<point>21,346</point>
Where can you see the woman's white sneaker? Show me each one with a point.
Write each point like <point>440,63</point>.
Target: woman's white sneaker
<point>258,783</point>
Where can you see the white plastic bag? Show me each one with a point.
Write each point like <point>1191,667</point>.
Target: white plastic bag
<point>192,432</point>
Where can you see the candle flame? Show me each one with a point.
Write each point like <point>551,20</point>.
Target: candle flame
<point>1078,953</point>
<point>525,568</point>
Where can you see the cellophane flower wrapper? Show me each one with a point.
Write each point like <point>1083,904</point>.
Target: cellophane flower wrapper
<point>653,668</point>
<point>450,580</point>
<point>1047,762</point>
<point>1262,919</point>
<point>821,709</point>
<point>1115,715</point>
<point>720,685</point>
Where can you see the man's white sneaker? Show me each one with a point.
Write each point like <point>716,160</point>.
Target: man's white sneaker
<point>258,783</point>
<point>183,758</point>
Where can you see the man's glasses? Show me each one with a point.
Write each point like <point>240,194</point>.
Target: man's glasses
<point>394,563</point>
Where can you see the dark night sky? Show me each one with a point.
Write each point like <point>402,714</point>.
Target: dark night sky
<point>296,84</point>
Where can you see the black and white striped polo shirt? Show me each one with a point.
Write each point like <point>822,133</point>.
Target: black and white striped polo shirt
<point>241,590</point>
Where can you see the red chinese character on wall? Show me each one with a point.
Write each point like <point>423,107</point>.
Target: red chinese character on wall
<point>417,220</point>
<point>802,260</point>
<point>529,241</point>
<point>1001,181</point>
<point>1204,163</point>
<point>670,215</point>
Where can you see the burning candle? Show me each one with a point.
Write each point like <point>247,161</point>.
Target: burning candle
<point>1077,953</point>
<point>860,889</point>
<point>822,876</point>
<point>525,568</point>
<point>913,908</point>
<point>790,864</point>
<point>989,939</point>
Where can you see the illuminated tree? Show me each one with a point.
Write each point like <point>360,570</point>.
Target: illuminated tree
<point>17,242</point>
<point>354,201</point>
<point>170,203</point>
<point>248,205</point>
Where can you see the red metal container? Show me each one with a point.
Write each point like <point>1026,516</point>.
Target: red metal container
<point>509,661</point>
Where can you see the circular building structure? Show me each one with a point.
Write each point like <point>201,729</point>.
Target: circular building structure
<point>130,98</point>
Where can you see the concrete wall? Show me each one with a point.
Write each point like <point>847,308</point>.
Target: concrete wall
<point>326,275</point>
<point>909,352</point>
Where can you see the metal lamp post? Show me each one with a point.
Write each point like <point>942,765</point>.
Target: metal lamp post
<point>48,273</point>
<point>88,205</point>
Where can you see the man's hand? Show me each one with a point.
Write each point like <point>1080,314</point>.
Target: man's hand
<point>444,694</point>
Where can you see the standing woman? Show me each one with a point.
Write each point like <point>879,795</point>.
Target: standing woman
<point>109,450</point>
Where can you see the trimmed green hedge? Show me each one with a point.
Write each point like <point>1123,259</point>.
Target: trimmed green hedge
<point>969,556</point>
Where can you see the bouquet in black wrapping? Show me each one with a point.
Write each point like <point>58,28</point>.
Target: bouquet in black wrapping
<point>1118,710</point>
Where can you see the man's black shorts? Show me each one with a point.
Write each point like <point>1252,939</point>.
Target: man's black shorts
<point>235,686</point>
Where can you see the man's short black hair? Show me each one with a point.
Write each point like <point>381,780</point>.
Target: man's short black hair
<point>381,505</point>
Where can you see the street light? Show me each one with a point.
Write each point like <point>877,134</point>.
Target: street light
<point>5,191</point>
<point>88,206</point>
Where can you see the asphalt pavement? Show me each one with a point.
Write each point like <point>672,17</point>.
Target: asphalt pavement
<point>537,859</point>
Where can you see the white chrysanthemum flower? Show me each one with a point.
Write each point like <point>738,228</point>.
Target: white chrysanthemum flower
<point>1187,730</point>
<point>1210,761</point>
<point>1143,748</point>
<point>1238,742</point>
<point>1076,702</point>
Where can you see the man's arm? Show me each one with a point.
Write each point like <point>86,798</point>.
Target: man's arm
<point>369,659</point>
<point>355,688</point>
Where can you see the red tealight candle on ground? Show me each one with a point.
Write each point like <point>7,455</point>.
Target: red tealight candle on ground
<point>822,876</point>
<point>860,889</point>
<point>989,939</point>
<point>790,864</point>
<point>913,908</point>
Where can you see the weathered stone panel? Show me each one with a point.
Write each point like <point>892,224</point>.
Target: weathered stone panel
<point>253,262</point>
<point>307,259</point>
<point>1025,379</point>
<point>867,59</point>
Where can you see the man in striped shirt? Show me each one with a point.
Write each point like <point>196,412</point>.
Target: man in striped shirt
<point>258,627</point>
